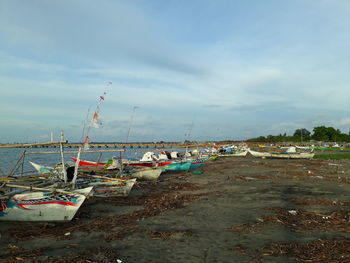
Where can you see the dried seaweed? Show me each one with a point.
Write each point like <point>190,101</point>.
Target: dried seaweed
<point>298,220</point>
<point>318,201</point>
<point>320,250</point>
<point>14,254</point>
<point>301,221</point>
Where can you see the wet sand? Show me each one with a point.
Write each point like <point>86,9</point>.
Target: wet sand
<point>241,209</point>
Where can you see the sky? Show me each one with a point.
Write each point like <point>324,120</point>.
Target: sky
<point>195,69</point>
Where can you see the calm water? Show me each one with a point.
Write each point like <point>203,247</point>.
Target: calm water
<point>9,157</point>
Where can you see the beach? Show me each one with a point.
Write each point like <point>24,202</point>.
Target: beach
<point>233,209</point>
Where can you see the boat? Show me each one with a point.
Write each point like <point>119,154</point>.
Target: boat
<point>88,163</point>
<point>53,205</point>
<point>147,173</point>
<point>113,187</point>
<point>125,163</point>
<point>259,154</point>
<point>178,166</point>
<point>285,155</point>
<point>195,165</point>
<point>234,154</point>
<point>291,155</point>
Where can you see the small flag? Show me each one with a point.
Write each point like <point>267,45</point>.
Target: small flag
<point>86,143</point>
<point>95,122</point>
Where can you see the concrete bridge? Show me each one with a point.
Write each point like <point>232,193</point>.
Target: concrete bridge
<point>99,145</point>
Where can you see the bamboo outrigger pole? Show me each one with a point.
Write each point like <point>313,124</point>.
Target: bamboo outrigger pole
<point>45,189</point>
<point>63,164</point>
<point>76,167</point>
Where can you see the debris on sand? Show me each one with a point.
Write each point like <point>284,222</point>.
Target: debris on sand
<point>300,221</point>
<point>320,250</point>
<point>307,221</point>
<point>100,254</point>
<point>318,201</point>
<point>247,228</point>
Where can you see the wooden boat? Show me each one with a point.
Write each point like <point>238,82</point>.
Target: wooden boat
<point>178,166</point>
<point>146,164</point>
<point>147,173</point>
<point>113,187</point>
<point>259,154</point>
<point>88,163</point>
<point>196,165</point>
<point>125,163</point>
<point>291,155</point>
<point>282,155</point>
<point>54,205</point>
<point>234,154</point>
<point>196,162</point>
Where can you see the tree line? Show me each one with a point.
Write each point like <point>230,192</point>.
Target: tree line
<point>320,133</point>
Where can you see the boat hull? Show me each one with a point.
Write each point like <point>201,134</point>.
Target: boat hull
<point>292,156</point>
<point>178,166</point>
<point>42,206</point>
<point>259,154</point>
<point>113,188</point>
<point>282,155</point>
<point>238,154</point>
<point>151,174</point>
<point>130,163</point>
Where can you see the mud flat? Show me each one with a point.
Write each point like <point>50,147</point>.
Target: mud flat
<point>238,210</point>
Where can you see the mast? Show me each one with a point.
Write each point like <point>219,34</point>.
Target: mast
<point>95,122</point>
<point>188,138</point>
<point>130,124</point>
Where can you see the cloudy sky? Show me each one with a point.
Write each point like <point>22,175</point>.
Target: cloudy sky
<point>198,69</point>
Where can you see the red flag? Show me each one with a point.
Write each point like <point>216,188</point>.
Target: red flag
<point>87,140</point>
<point>95,122</point>
<point>86,143</point>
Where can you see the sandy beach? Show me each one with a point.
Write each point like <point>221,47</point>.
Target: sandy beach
<point>240,209</point>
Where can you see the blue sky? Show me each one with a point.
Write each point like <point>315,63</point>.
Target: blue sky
<point>230,69</point>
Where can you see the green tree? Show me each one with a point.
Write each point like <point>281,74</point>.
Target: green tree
<point>322,133</point>
<point>302,133</point>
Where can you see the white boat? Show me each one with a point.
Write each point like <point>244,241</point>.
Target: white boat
<point>235,154</point>
<point>147,173</point>
<point>259,154</point>
<point>42,206</point>
<point>282,155</point>
<point>119,187</point>
<point>291,155</point>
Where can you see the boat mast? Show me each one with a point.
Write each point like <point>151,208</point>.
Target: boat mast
<point>188,138</point>
<point>95,121</point>
<point>131,122</point>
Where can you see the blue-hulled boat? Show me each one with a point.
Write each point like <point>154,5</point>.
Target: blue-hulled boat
<point>178,166</point>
